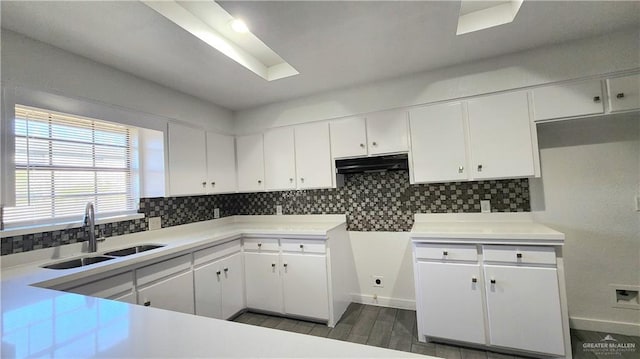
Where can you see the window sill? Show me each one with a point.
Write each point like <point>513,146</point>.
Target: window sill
<point>19,231</point>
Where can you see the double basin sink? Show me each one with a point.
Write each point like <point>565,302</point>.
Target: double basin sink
<point>85,261</point>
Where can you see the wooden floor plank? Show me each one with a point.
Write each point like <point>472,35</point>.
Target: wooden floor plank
<point>397,329</point>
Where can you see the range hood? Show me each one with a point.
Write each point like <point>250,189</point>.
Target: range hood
<point>372,164</point>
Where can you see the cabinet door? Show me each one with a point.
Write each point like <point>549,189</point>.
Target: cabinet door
<point>262,278</point>
<point>624,93</point>
<point>250,163</point>
<point>387,132</point>
<point>313,156</point>
<point>279,159</point>
<point>187,160</point>
<point>450,302</point>
<point>500,136</point>
<point>173,293</point>
<point>438,143</point>
<point>348,137</point>
<point>305,285</point>
<point>524,308</point>
<point>208,290</point>
<point>232,285</point>
<point>584,98</point>
<point>221,163</point>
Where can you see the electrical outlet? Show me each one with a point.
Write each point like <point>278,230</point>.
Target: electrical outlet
<point>377,281</point>
<point>485,206</point>
<point>216,213</point>
<point>155,223</point>
<point>279,210</point>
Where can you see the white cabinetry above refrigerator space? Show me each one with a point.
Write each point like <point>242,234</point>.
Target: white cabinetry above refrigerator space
<point>571,100</point>
<point>624,93</point>
<point>486,137</point>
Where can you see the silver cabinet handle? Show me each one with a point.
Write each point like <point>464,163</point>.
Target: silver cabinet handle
<point>362,145</point>
<point>226,270</point>
<point>460,169</point>
<point>213,184</point>
<point>204,184</point>
<point>290,179</point>
<point>147,303</point>
<point>480,168</point>
<point>374,143</point>
<point>273,265</point>
<point>285,265</point>
<point>301,179</point>
<point>445,253</point>
<point>596,98</point>
<point>493,281</point>
<point>301,246</point>
<point>259,181</point>
<point>474,280</point>
<point>620,95</point>
<point>518,255</point>
<point>259,244</point>
<point>218,273</point>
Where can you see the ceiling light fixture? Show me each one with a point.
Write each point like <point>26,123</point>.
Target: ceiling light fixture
<point>239,26</point>
<point>480,15</point>
<point>212,24</point>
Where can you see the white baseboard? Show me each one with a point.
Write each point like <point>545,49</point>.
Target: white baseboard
<point>605,326</point>
<point>384,301</point>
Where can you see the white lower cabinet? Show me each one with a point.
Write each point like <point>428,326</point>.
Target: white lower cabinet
<point>304,279</point>
<point>167,285</point>
<point>262,279</point>
<point>219,285</point>
<point>451,285</point>
<point>523,308</point>
<point>290,278</point>
<point>511,291</point>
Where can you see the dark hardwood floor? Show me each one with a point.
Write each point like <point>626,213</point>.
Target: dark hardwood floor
<point>396,329</point>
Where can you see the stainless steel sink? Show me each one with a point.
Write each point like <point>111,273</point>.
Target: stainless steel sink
<point>133,250</point>
<point>77,262</point>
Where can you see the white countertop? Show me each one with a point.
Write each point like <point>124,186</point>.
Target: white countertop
<point>45,322</point>
<point>496,227</point>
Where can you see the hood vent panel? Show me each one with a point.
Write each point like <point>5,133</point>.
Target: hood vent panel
<point>372,164</point>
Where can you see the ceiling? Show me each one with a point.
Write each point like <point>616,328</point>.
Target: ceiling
<point>332,44</point>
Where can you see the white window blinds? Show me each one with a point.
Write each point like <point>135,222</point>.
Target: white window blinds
<point>64,161</point>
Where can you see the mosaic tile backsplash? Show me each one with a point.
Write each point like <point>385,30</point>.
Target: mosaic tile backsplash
<point>382,201</point>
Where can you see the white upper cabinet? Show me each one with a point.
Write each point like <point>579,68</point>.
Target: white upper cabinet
<point>387,132</point>
<point>249,150</point>
<point>279,159</point>
<point>378,133</point>
<point>578,99</point>
<point>187,160</point>
<point>313,156</point>
<point>349,137</point>
<point>500,136</point>
<point>438,140</point>
<point>221,163</point>
<point>624,93</point>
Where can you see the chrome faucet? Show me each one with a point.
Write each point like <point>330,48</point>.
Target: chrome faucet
<point>90,221</point>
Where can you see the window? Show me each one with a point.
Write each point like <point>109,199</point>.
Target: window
<point>64,161</point>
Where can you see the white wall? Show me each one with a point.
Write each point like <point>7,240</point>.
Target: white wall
<point>590,177</point>
<point>605,54</point>
<point>30,64</point>
<point>386,254</point>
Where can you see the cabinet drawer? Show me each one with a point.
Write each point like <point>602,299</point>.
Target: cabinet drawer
<point>215,252</point>
<point>303,245</point>
<point>519,254</point>
<point>449,252</point>
<point>261,244</point>
<point>160,270</point>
